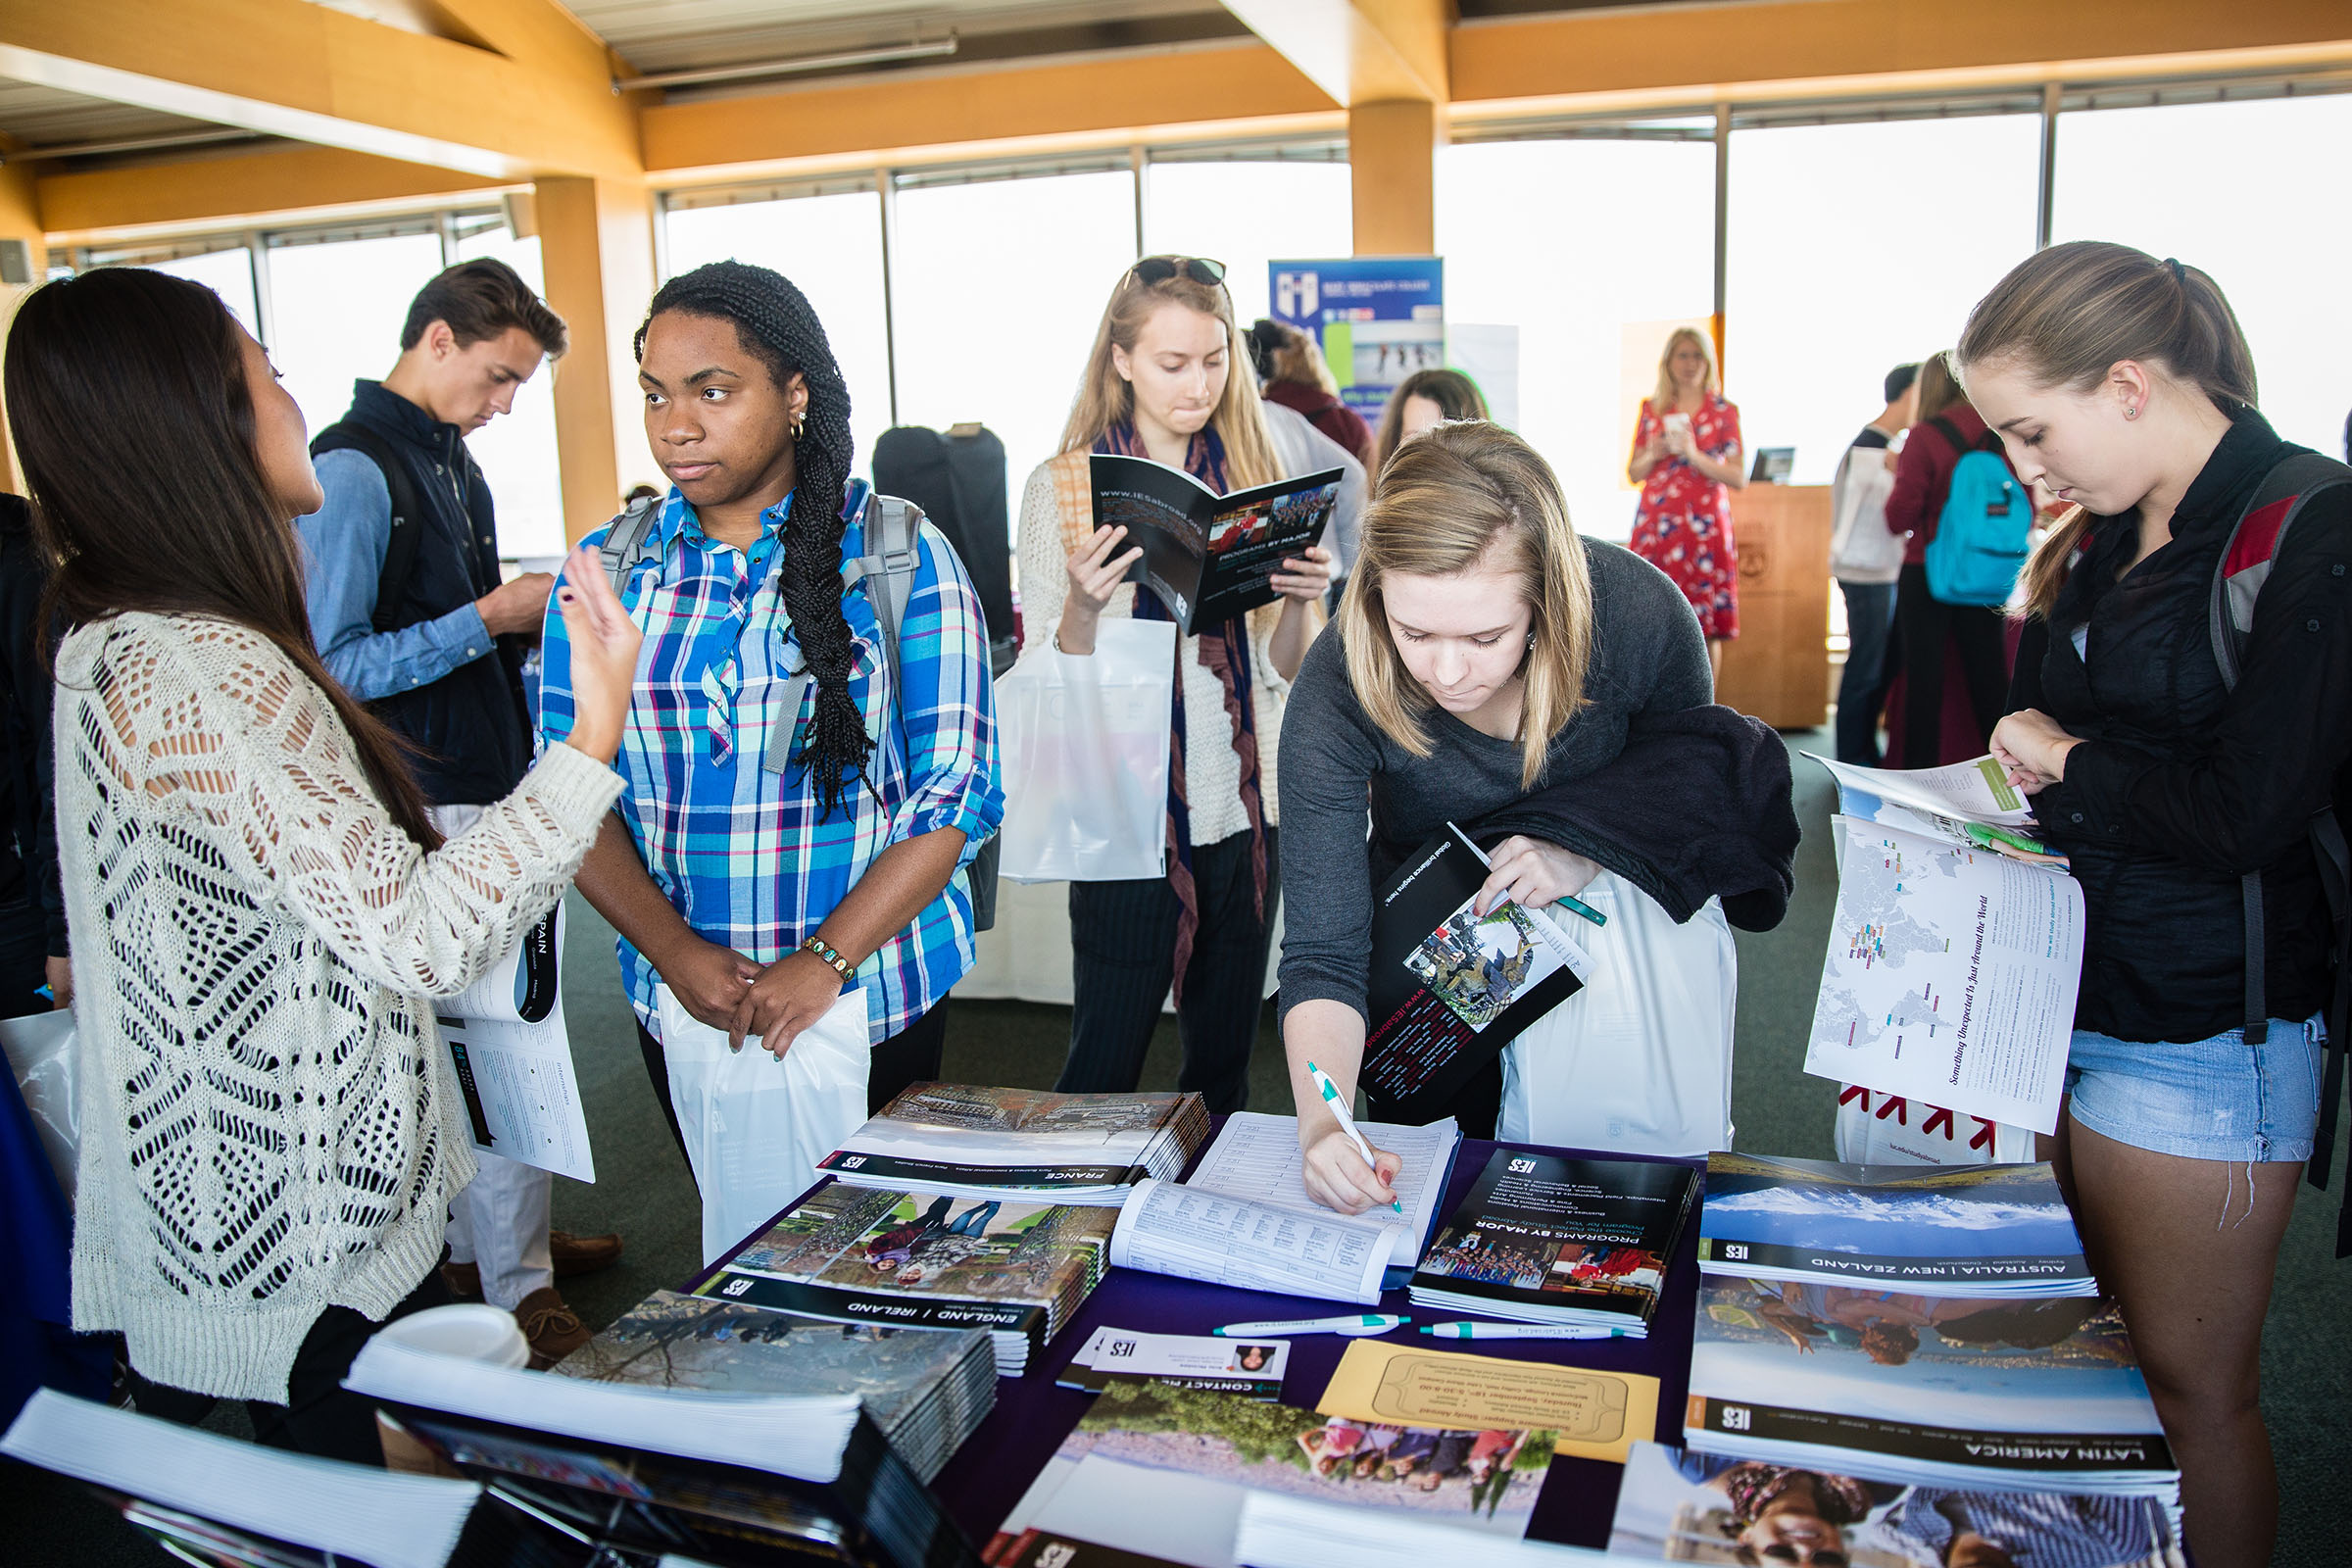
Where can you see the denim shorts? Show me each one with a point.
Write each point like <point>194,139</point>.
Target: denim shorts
<point>2218,1099</point>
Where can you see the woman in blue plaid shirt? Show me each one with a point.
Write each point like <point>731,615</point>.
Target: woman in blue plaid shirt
<point>790,827</point>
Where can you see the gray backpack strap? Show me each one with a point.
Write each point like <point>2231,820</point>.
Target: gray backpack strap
<point>629,541</point>
<point>894,550</point>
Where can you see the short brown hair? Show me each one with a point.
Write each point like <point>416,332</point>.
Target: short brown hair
<point>481,300</point>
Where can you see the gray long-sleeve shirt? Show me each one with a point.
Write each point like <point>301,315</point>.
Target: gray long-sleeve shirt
<point>1647,658</point>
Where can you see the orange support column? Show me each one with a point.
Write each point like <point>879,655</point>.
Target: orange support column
<point>21,223</point>
<point>1392,157</point>
<point>596,247</point>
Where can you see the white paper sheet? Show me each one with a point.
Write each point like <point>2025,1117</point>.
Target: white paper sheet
<point>1257,1156</point>
<point>1950,976</point>
<point>506,1038</point>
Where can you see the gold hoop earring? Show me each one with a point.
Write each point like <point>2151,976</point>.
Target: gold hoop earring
<point>800,423</point>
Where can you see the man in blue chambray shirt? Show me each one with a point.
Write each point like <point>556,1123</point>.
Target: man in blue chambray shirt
<point>412,617</point>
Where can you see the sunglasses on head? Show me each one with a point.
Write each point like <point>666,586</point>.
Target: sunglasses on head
<point>1160,269</point>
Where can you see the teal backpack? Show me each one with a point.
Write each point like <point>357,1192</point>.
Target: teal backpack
<point>1980,543</point>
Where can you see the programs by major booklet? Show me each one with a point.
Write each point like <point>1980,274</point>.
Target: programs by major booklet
<point>1209,556</point>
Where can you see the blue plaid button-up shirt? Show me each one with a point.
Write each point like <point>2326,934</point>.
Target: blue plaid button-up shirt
<point>738,849</point>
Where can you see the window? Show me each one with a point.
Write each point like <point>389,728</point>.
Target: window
<point>336,309</point>
<point>517,450</point>
<point>997,288</point>
<point>1583,245</point>
<point>227,273</point>
<point>1246,214</point>
<point>831,248</point>
<point>2229,187</point>
<point>1855,248</point>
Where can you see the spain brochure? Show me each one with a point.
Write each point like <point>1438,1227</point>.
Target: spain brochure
<point>977,1141</point>
<point>1210,557</point>
<point>1546,1239</point>
<point>1448,987</point>
<point>1981,1231</point>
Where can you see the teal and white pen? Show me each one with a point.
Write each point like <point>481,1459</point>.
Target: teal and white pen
<point>1516,1330</point>
<point>1353,1324</point>
<point>1339,1109</point>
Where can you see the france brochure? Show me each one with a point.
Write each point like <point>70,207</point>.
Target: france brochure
<point>1210,557</point>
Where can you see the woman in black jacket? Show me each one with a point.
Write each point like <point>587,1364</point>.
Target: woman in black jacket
<point>2123,384</point>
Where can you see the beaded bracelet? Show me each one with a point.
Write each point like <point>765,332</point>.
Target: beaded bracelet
<point>817,945</point>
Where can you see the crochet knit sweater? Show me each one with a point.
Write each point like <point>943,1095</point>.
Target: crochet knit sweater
<point>269,1126</point>
<point>1057,514</point>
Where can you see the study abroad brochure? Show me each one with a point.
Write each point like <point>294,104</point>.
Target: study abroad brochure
<point>1677,1505</point>
<point>1448,988</point>
<point>512,1053</point>
<point>976,1140</point>
<point>1545,1238</point>
<point>1210,557</point>
<point>2020,1394</point>
<point>1958,1231</point>
<point>1950,975</point>
<point>865,1255</point>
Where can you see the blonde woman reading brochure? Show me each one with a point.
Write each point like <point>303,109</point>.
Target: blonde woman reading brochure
<point>270,1129</point>
<point>1162,383</point>
<point>1548,694</point>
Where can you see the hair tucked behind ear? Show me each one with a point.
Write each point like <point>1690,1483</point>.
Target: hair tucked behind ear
<point>775,322</point>
<point>2066,316</point>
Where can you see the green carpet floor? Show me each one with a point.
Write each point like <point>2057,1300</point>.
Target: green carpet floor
<point>644,1193</point>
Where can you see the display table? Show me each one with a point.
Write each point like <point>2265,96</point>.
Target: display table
<point>1778,669</point>
<point>995,1465</point>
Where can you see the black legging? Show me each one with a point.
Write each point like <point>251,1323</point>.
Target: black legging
<point>1922,621</point>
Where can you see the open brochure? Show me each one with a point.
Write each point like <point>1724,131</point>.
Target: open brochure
<point>1257,1156</point>
<point>1210,557</point>
<point>1965,1231</point>
<point>1448,988</point>
<point>974,1140</point>
<point>1950,975</point>
<point>506,1040</point>
<point>1252,1245</point>
<point>1676,1505</point>
<point>1969,802</point>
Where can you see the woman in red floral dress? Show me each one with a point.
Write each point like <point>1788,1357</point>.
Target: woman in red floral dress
<point>1687,459</point>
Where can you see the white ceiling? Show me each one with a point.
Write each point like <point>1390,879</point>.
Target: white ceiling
<point>684,34</point>
<point>35,116</point>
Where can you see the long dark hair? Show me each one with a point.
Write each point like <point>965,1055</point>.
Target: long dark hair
<point>774,322</point>
<point>1456,396</point>
<point>127,396</point>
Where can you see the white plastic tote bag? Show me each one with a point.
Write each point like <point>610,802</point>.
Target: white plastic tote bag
<point>40,1052</point>
<point>1881,1129</point>
<point>1640,1060</point>
<point>756,1127</point>
<point>1085,756</point>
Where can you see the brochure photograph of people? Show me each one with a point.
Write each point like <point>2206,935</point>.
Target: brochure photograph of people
<point>1048,785</point>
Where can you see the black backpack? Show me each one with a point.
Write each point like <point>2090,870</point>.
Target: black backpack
<point>2254,543</point>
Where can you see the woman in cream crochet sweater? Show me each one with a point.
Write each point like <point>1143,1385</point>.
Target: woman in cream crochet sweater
<point>1161,383</point>
<point>270,1129</point>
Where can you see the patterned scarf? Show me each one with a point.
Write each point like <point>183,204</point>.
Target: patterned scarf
<point>1225,653</point>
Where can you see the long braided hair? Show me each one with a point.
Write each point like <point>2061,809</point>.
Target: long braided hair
<point>773,322</point>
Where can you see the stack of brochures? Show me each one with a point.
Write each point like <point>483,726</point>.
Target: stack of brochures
<point>2009,1394</point>
<point>1544,1239</point>
<point>211,1499</point>
<point>864,1256</point>
<point>1243,1218</point>
<point>636,1472</point>
<point>1975,1231</point>
<point>1164,1474</point>
<point>926,1388</point>
<point>971,1140</point>
<point>1676,1506</point>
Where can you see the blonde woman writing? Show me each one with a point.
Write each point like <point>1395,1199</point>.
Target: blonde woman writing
<point>1549,694</point>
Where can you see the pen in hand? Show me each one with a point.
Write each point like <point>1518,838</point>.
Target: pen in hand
<point>1338,1111</point>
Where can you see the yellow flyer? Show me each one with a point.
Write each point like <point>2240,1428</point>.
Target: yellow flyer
<point>1598,1415</point>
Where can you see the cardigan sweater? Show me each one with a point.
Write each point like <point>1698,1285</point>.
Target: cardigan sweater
<point>1057,514</point>
<point>270,1125</point>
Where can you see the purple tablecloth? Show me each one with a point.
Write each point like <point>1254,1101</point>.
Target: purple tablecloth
<point>990,1471</point>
